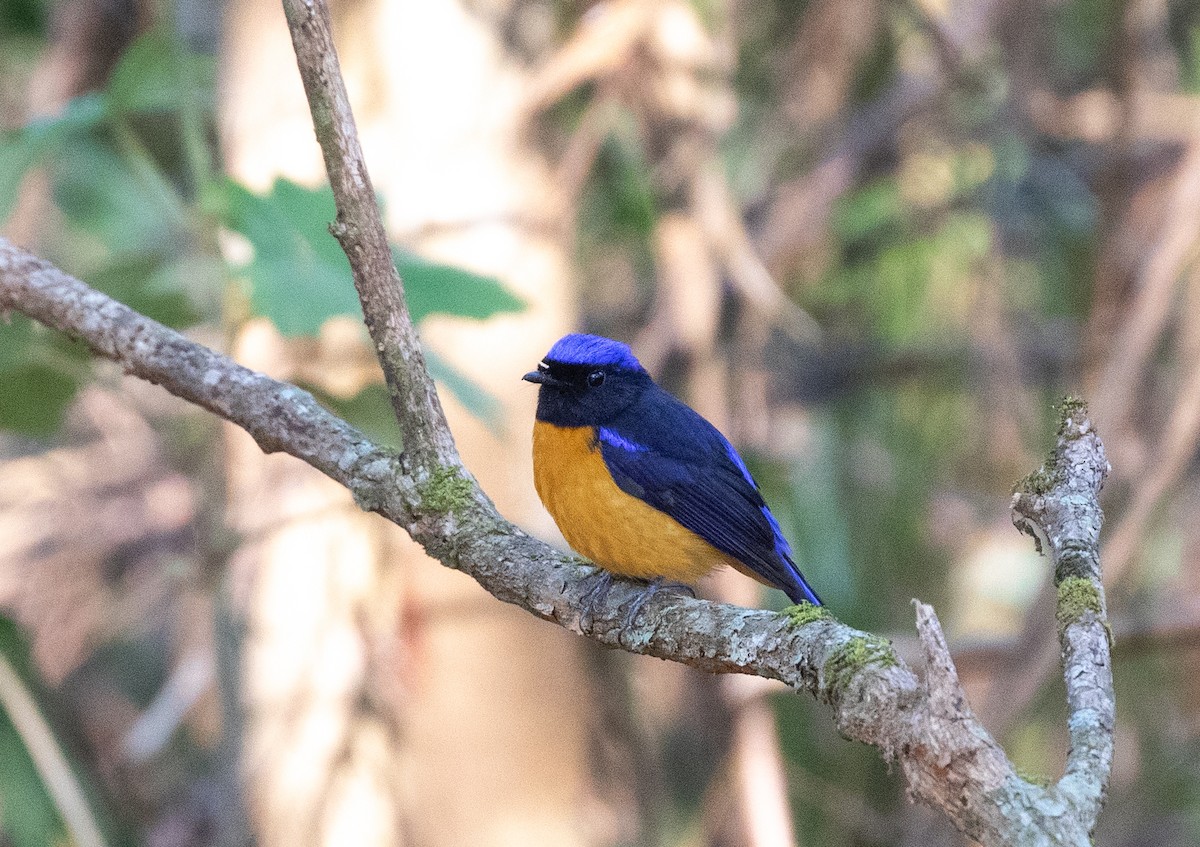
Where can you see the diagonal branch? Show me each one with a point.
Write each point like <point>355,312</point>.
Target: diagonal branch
<point>359,229</point>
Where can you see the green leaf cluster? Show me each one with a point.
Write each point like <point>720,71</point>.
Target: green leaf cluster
<point>141,207</point>
<point>299,277</point>
<point>123,226</point>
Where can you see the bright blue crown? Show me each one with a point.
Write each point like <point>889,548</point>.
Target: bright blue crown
<point>580,349</point>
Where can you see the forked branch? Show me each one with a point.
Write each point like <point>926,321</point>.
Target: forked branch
<point>926,726</point>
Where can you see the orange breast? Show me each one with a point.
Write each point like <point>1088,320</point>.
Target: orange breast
<point>615,530</point>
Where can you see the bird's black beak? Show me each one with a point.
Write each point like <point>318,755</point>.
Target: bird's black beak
<point>542,378</point>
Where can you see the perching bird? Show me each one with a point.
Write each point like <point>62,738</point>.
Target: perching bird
<point>640,483</point>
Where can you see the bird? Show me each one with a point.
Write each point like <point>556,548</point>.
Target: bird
<point>641,484</point>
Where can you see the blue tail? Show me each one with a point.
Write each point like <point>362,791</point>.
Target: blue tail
<point>799,590</point>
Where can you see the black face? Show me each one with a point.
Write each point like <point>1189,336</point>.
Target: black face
<point>585,395</point>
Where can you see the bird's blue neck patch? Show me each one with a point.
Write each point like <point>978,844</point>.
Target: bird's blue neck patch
<point>581,349</point>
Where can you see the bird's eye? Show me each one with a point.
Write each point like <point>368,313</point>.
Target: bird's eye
<point>595,379</point>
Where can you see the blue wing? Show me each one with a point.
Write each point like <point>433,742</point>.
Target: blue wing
<point>667,455</point>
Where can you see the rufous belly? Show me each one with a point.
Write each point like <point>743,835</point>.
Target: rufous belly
<point>615,530</point>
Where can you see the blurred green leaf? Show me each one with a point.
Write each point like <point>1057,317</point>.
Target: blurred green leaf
<point>1187,45</point>
<point>34,389</point>
<point>370,410</point>
<point>299,278</point>
<point>157,72</point>
<point>33,398</point>
<point>102,197</point>
<point>431,288</point>
<point>806,499</point>
<point>26,17</point>
<point>1064,199</point>
<point>298,275</point>
<point>148,284</point>
<point>474,397</point>
<point>118,241</point>
<point>620,200</point>
<point>22,149</point>
<point>27,814</point>
<point>138,667</point>
<point>80,115</point>
<point>877,68</point>
<point>18,153</point>
<point>868,210</point>
<point>1083,32</point>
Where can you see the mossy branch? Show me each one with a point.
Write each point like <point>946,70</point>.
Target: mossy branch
<point>1060,506</point>
<point>926,726</point>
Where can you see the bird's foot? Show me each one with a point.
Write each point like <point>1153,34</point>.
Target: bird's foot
<point>682,588</point>
<point>594,595</point>
<point>603,582</point>
<point>652,588</point>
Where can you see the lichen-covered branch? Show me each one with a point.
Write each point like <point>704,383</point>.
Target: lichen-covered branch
<point>927,727</point>
<point>1059,505</point>
<point>950,760</point>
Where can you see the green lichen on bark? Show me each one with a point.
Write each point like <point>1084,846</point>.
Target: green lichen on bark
<point>1076,596</point>
<point>1044,479</point>
<point>446,490</point>
<point>1041,481</point>
<point>848,659</point>
<point>1037,779</point>
<point>1067,409</point>
<point>805,613</point>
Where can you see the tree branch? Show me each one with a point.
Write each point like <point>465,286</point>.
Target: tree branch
<point>359,229</point>
<point>1059,506</point>
<point>948,757</point>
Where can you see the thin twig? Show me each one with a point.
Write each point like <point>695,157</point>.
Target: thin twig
<point>359,229</point>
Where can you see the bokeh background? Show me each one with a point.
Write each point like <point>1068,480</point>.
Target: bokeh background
<point>872,240</point>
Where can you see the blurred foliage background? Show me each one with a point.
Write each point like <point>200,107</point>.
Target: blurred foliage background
<point>873,241</point>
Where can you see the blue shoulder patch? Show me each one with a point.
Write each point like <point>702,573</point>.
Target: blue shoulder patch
<point>615,439</point>
<point>581,349</point>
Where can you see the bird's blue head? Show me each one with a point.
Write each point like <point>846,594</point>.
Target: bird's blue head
<point>587,380</point>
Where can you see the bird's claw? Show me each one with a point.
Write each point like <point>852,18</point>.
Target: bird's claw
<point>603,584</point>
<point>594,595</point>
<point>652,588</point>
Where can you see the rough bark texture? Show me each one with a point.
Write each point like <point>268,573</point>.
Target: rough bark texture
<point>950,760</point>
<point>1059,506</point>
